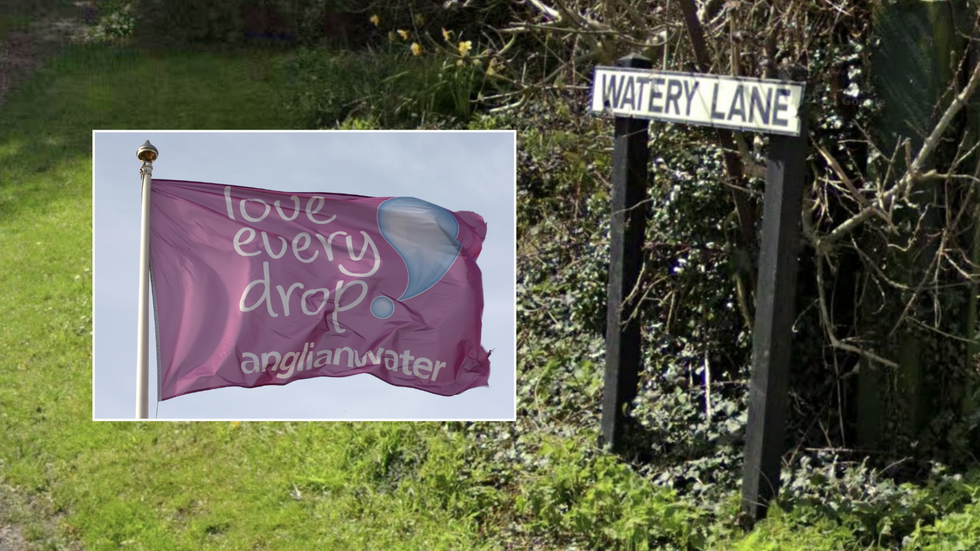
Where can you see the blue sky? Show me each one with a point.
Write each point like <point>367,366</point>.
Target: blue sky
<point>471,171</point>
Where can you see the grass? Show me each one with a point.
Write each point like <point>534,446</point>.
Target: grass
<point>529,484</point>
<point>167,486</point>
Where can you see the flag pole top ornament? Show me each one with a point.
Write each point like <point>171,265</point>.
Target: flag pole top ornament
<point>147,153</point>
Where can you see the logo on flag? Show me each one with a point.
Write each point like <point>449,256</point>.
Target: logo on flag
<point>254,287</point>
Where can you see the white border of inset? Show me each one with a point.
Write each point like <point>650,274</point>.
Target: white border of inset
<point>239,158</point>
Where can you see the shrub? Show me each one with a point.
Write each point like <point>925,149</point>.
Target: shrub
<point>232,22</point>
<point>392,88</point>
<point>115,23</point>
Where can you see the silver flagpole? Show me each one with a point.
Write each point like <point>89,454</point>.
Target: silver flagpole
<point>146,153</point>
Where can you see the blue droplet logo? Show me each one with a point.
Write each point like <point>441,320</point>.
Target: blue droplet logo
<point>382,307</point>
<point>424,235</point>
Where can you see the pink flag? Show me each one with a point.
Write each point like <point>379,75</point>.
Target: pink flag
<point>254,287</point>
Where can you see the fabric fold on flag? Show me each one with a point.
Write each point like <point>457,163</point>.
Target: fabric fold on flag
<point>255,287</point>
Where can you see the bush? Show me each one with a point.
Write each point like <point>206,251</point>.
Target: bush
<point>176,23</point>
<point>232,22</point>
<point>392,88</point>
<point>116,22</point>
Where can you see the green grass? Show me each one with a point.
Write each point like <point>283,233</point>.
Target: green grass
<point>171,486</point>
<point>538,483</point>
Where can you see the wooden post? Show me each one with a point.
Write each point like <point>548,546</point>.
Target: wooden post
<point>774,317</point>
<point>631,157</point>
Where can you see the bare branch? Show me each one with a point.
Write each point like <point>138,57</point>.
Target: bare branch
<point>914,172</point>
<point>825,321</point>
<point>547,10</point>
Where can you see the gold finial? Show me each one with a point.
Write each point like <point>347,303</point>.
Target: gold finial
<point>147,152</point>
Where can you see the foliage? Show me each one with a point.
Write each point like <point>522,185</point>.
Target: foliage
<point>693,325</point>
<point>116,21</point>
<point>391,87</point>
<point>850,510</point>
<point>411,78</point>
<point>603,499</point>
<point>883,299</point>
<point>871,505</point>
<point>232,22</point>
<point>960,530</point>
<point>475,20</point>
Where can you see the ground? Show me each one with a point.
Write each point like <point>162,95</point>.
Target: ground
<point>24,44</point>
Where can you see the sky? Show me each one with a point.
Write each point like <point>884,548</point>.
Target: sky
<point>460,171</point>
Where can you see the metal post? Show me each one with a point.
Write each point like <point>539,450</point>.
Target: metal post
<point>631,157</point>
<point>774,317</point>
<point>146,153</point>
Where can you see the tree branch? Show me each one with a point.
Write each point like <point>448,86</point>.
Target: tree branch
<point>914,172</point>
<point>733,161</point>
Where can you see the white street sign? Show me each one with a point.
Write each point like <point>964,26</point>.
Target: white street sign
<point>760,105</point>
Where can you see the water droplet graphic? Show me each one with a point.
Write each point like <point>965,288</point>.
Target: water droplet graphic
<point>382,307</point>
<point>424,235</point>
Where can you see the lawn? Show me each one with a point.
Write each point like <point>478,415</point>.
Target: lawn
<point>154,486</point>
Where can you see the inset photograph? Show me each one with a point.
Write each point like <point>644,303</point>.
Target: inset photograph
<point>304,275</point>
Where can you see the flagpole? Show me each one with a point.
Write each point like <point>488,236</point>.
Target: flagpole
<point>146,153</point>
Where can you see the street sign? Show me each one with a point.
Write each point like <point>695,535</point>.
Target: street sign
<point>631,93</point>
<point>759,105</point>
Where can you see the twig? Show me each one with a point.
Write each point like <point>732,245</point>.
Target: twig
<point>914,172</point>
<point>914,321</point>
<point>915,294</point>
<point>635,18</point>
<point>547,10</point>
<point>828,328</point>
<point>841,174</point>
<point>733,161</point>
<point>874,267</point>
<point>707,387</point>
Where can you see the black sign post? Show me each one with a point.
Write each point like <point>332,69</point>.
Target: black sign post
<point>634,94</point>
<point>631,156</point>
<point>774,315</point>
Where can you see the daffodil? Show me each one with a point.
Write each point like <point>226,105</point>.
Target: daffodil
<point>446,36</point>
<point>404,34</point>
<point>375,19</point>
<point>416,49</point>
<point>465,47</point>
